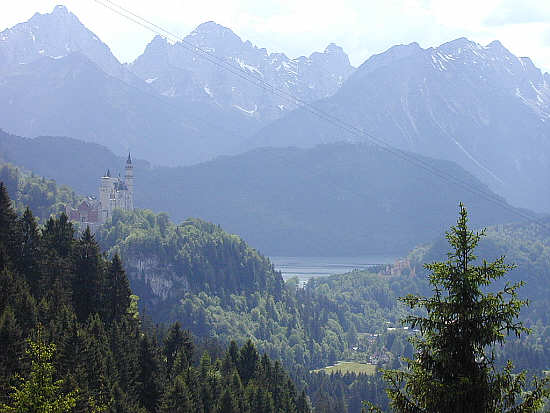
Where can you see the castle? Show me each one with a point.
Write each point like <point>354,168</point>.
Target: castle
<point>114,193</point>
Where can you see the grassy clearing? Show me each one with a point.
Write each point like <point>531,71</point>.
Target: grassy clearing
<point>349,367</point>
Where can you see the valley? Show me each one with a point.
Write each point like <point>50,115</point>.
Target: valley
<point>305,268</point>
<point>218,227</point>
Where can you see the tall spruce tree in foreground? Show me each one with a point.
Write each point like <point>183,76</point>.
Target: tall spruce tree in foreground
<point>453,369</point>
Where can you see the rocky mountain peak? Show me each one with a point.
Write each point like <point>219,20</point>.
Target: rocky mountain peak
<point>334,49</point>
<point>60,10</point>
<point>210,27</point>
<point>174,70</point>
<point>213,34</point>
<point>389,57</point>
<point>55,35</point>
<point>496,44</point>
<point>157,45</point>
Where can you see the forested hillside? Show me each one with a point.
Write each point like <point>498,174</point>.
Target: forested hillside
<point>71,298</point>
<point>527,245</point>
<point>72,336</point>
<point>219,287</point>
<point>339,199</point>
<point>345,317</point>
<point>41,195</point>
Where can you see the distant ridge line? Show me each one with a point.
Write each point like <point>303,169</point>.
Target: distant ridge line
<point>357,132</point>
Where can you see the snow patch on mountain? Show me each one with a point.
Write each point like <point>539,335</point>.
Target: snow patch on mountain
<point>185,73</point>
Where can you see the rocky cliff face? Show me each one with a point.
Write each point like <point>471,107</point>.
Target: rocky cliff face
<point>158,280</point>
<point>175,70</point>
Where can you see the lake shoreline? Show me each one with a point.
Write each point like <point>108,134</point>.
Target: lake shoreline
<point>309,267</point>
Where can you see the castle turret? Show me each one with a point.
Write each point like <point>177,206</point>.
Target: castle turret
<point>105,189</point>
<point>129,181</point>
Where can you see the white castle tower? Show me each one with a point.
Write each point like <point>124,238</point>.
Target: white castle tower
<point>129,180</point>
<point>105,189</point>
<point>115,193</point>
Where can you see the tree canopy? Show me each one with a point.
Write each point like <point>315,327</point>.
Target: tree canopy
<point>453,368</point>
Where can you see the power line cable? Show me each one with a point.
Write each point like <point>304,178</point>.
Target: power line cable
<point>353,130</point>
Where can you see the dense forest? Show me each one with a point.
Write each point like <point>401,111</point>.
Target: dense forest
<point>218,286</point>
<point>222,290</point>
<point>73,337</point>
<point>41,195</point>
<point>354,316</point>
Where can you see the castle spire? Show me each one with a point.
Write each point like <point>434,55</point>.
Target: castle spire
<point>129,160</point>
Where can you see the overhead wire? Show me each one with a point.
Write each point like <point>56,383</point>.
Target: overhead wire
<point>258,81</point>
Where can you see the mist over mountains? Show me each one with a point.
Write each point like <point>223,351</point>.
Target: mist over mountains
<point>347,199</point>
<point>479,106</point>
<point>174,70</point>
<point>169,106</point>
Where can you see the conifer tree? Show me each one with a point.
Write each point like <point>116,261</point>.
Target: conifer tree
<point>89,283</point>
<point>151,374</point>
<point>56,260</point>
<point>8,233</point>
<point>248,362</point>
<point>302,404</point>
<point>177,399</point>
<point>12,348</point>
<point>453,369</point>
<point>117,290</point>
<point>227,404</point>
<point>40,392</point>
<point>27,261</point>
<point>173,342</point>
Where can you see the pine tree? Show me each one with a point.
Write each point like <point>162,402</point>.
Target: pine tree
<point>173,342</point>
<point>56,261</point>
<point>8,232</point>
<point>227,403</point>
<point>27,261</point>
<point>302,404</point>
<point>176,399</point>
<point>248,362</point>
<point>89,282</point>
<point>12,348</point>
<point>117,290</point>
<point>151,374</point>
<point>40,392</point>
<point>453,370</point>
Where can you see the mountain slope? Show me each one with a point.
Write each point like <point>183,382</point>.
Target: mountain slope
<point>337,199</point>
<point>58,78</point>
<point>174,70</point>
<point>479,106</point>
<point>72,96</point>
<point>56,35</point>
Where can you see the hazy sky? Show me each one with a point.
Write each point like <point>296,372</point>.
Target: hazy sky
<point>299,27</point>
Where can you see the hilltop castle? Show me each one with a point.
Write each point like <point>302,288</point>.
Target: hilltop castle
<point>114,193</point>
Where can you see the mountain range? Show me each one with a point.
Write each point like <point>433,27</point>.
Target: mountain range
<point>479,106</point>
<point>175,70</point>
<point>58,78</point>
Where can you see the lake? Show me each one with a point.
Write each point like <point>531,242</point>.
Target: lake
<point>307,267</point>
